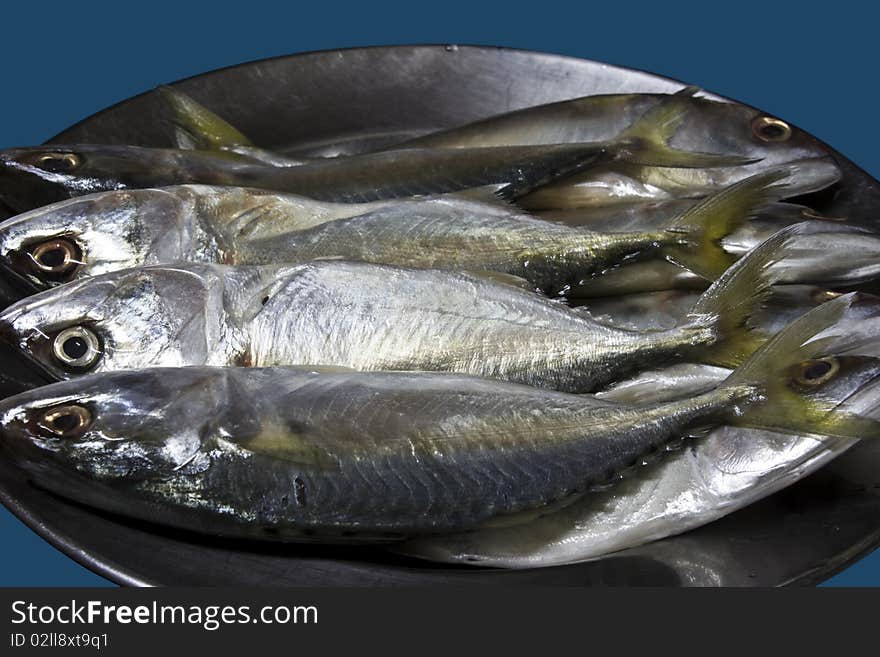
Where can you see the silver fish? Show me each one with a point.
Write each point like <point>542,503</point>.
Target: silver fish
<point>651,311</point>
<point>114,230</point>
<point>31,177</point>
<point>291,455</point>
<point>367,317</point>
<point>825,253</point>
<point>606,186</point>
<point>690,484</point>
<point>710,126</point>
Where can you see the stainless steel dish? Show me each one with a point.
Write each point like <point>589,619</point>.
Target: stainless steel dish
<point>351,100</point>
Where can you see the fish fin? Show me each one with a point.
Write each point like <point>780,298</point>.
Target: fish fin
<point>646,141</point>
<point>690,90</point>
<point>197,127</point>
<point>701,228</point>
<point>490,194</point>
<point>503,279</point>
<point>794,376</point>
<point>730,302</point>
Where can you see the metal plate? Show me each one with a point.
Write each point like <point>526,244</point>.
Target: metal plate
<point>361,98</point>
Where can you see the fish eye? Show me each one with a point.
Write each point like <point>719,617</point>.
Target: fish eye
<point>766,128</point>
<point>811,373</point>
<point>57,162</point>
<point>59,256</point>
<point>76,347</point>
<point>68,421</point>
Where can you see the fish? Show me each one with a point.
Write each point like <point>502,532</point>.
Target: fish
<point>710,126</point>
<point>31,177</point>
<point>107,231</point>
<point>624,184</point>
<point>645,215</point>
<point>293,454</point>
<point>369,317</point>
<point>825,254</point>
<point>651,311</point>
<point>684,486</point>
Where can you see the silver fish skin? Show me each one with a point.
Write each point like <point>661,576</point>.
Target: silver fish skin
<point>623,184</point>
<point>810,259</point>
<point>32,177</point>
<point>108,231</point>
<point>825,254</point>
<point>354,315</point>
<point>645,215</point>
<point>275,453</point>
<point>279,452</point>
<point>662,310</point>
<point>688,485</point>
<point>710,126</point>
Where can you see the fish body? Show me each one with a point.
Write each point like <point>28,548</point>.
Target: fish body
<point>662,310</point>
<point>687,485</point>
<point>292,451</point>
<point>710,126</point>
<point>286,453</point>
<point>623,184</point>
<point>333,312</point>
<point>36,176</point>
<point>32,177</point>
<point>825,254</point>
<point>107,231</point>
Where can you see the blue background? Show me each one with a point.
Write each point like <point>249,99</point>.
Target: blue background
<point>815,67</point>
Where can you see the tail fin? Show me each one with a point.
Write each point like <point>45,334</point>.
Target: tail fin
<point>797,380</point>
<point>730,302</point>
<point>702,227</point>
<point>197,127</point>
<point>646,141</point>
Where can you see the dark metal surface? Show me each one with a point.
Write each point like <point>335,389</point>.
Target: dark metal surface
<point>362,98</point>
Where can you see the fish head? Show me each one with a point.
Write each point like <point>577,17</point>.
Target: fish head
<point>834,378</point>
<point>125,425</point>
<point>724,127</point>
<point>843,373</point>
<point>93,234</point>
<point>35,176</point>
<point>143,317</point>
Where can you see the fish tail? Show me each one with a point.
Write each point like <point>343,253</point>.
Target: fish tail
<point>795,377</point>
<point>731,301</point>
<point>646,142</point>
<point>197,127</point>
<point>693,238</point>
